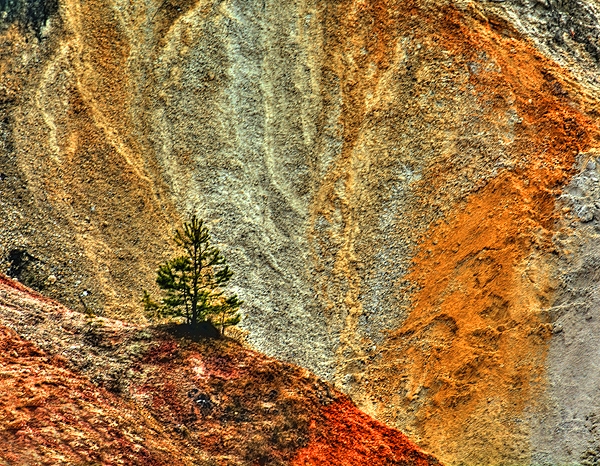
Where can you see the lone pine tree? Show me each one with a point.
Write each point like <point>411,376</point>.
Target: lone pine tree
<point>193,283</point>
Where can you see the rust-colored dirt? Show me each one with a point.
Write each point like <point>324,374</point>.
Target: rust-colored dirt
<point>262,411</point>
<point>347,437</point>
<point>212,402</point>
<point>50,416</point>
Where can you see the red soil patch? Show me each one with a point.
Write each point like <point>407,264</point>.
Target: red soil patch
<point>214,401</point>
<point>4,280</point>
<point>342,435</point>
<point>50,416</point>
<point>236,403</point>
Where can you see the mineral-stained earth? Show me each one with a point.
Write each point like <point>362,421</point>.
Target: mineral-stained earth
<point>407,191</point>
<point>87,391</point>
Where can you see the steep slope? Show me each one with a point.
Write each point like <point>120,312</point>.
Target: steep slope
<point>405,189</point>
<point>170,400</point>
<point>50,416</point>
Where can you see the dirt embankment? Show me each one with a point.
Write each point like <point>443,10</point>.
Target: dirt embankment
<point>158,399</point>
<point>52,416</point>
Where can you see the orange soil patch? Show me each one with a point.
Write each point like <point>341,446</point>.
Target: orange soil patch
<point>471,354</point>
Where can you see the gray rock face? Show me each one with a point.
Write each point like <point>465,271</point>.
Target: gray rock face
<point>566,30</point>
<point>30,14</point>
<point>568,433</point>
<point>236,147</point>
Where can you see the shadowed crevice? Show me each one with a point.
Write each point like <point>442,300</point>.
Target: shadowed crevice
<point>30,14</point>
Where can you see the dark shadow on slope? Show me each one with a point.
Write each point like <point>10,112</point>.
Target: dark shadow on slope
<point>30,14</point>
<point>202,331</point>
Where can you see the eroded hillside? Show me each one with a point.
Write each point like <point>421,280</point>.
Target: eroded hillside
<point>50,416</point>
<point>406,191</point>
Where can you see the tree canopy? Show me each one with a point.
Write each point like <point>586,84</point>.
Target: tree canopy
<point>193,283</point>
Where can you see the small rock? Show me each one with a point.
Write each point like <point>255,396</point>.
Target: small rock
<point>51,280</point>
<point>585,214</point>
